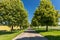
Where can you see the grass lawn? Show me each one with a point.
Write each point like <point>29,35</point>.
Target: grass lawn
<point>7,35</point>
<point>52,34</point>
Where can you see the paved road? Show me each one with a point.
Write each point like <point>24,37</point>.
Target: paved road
<point>30,35</point>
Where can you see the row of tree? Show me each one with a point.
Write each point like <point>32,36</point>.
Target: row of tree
<point>45,15</point>
<point>13,13</point>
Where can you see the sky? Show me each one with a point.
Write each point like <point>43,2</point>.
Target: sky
<point>31,5</point>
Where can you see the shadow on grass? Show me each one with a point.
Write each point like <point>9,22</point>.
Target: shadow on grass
<point>50,37</point>
<point>32,38</point>
<point>43,30</point>
<point>38,31</point>
<point>3,32</point>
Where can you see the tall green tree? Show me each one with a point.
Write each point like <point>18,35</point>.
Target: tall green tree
<point>12,13</point>
<point>45,14</point>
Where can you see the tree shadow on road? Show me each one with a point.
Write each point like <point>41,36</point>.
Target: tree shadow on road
<point>34,31</point>
<point>30,31</point>
<point>32,38</point>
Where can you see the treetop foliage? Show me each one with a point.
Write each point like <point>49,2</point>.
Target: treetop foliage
<point>45,14</point>
<point>13,13</point>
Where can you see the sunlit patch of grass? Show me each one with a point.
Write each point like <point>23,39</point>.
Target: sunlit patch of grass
<point>7,28</point>
<point>52,34</point>
<point>6,34</point>
<point>4,28</point>
<point>9,35</point>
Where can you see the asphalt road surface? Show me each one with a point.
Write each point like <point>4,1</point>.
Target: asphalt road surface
<point>30,34</point>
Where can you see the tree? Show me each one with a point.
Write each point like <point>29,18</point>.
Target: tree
<point>46,15</point>
<point>22,15</point>
<point>1,13</point>
<point>12,13</point>
<point>25,23</point>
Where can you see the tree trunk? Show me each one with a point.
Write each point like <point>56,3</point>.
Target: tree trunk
<point>46,28</point>
<point>20,27</point>
<point>11,28</point>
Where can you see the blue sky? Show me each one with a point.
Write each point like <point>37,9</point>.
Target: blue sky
<point>31,5</point>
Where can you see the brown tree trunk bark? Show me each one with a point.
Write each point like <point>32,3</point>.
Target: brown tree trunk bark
<point>46,28</point>
<point>20,27</point>
<point>11,28</point>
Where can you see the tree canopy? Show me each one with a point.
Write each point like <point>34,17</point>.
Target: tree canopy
<point>45,14</point>
<point>13,13</point>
